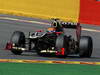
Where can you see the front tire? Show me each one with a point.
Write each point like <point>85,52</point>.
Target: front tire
<point>18,39</point>
<point>62,41</point>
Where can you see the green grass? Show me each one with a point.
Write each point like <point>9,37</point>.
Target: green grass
<point>47,69</point>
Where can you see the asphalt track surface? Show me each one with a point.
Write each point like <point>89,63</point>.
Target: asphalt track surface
<point>9,24</point>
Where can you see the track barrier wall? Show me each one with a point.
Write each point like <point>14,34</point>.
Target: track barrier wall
<point>46,9</point>
<point>90,12</point>
<point>83,11</point>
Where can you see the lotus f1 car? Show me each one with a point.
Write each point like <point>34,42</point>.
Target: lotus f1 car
<point>54,41</point>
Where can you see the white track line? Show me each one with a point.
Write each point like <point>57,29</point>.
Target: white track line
<point>37,22</point>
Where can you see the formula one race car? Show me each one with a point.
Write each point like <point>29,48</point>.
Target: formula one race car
<point>54,41</point>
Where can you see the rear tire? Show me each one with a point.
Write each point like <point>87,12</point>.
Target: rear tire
<point>18,38</point>
<point>85,46</point>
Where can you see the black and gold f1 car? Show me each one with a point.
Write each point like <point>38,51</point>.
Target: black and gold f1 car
<point>54,41</point>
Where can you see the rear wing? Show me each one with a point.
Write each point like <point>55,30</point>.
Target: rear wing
<point>75,26</point>
<point>70,25</point>
<point>58,23</point>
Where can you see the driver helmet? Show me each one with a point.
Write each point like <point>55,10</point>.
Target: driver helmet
<point>51,29</point>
